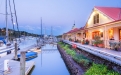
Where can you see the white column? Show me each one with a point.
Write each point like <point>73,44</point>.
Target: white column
<point>105,37</point>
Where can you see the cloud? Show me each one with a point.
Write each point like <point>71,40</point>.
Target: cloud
<point>58,26</point>
<point>27,27</point>
<point>38,28</point>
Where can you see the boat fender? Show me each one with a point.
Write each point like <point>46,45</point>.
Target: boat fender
<point>18,48</point>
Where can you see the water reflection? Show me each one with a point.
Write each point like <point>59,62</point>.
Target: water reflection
<point>49,62</point>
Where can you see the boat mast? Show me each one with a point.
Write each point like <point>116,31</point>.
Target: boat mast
<point>45,30</point>
<point>41,27</point>
<point>6,17</point>
<point>51,31</point>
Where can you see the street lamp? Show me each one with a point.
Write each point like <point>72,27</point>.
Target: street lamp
<point>14,23</point>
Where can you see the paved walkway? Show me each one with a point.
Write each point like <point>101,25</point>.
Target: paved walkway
<point>110,55</point>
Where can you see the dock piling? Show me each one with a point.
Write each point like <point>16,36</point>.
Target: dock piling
<point>15,57</point>
<point>22,63</point>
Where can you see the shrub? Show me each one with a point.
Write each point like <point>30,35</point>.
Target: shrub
<point>61,44</point>
<point>98,69</point>
<point>70,52</point>
<point>81,59</point>
<point>66,47</point>
<point>85,62</point>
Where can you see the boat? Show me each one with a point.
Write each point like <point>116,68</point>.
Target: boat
<point>29,55</point>
<point>7,47</point>
<point>38,49</point>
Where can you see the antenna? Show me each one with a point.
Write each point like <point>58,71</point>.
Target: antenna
<point>74,22</point>
<point>73,25</point>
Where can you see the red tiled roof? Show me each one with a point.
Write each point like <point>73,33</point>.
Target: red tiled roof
<point>82,28</point>
<point>112,12</point>
<point>74,30</point>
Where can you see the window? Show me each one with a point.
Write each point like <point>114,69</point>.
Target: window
<point>96,33</point>
<point>96,18</point>
<point>79,34</point>
<point>111,32</point>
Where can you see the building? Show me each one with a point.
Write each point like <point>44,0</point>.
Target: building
<point>104,22</point>
<point>75,34</point>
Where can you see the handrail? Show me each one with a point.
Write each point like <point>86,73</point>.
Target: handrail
<point>108,56</point>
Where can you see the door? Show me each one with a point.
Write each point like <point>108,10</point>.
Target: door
<point>120,34</point>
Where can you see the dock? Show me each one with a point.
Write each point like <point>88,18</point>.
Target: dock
<point>15,65</point>
<point>107,54</point>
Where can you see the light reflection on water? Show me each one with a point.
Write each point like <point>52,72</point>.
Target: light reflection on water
<point>51,64</point>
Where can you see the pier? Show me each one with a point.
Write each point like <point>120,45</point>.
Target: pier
<point>15,65</point>
<point>45,62</point>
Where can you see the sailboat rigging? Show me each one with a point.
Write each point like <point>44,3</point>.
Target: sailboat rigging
<point>7,45</point>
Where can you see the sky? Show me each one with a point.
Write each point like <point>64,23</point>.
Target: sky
<point>58,14</point>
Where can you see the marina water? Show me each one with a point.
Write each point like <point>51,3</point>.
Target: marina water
<point>49,62</point>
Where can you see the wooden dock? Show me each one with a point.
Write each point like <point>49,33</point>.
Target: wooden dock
<point>15,65</point>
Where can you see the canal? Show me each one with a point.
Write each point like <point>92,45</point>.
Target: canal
<point>49,62</point>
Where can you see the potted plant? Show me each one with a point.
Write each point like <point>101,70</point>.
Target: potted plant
<point>87,42</point>
<point>83,42</point>
<point>118,47</point>
<point>70,39</point>
<point>95,43</point>
<point>100,43</point>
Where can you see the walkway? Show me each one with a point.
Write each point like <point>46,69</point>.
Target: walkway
<point>110,55</point>
<point>15,64</point>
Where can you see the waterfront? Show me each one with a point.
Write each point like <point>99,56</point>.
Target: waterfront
<point>51,63</point>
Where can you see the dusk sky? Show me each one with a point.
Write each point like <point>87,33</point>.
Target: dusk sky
<point>60,14</point>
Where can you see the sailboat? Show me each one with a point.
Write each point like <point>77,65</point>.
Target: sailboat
<point>5,46</point>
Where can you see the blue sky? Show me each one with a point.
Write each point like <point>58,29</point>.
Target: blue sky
<point>60,14</point>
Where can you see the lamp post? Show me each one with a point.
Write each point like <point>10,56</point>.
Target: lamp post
<point>14,34</point>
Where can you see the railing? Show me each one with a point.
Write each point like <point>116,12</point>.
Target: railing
<point>110,44</point>
<point>100,53</point>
